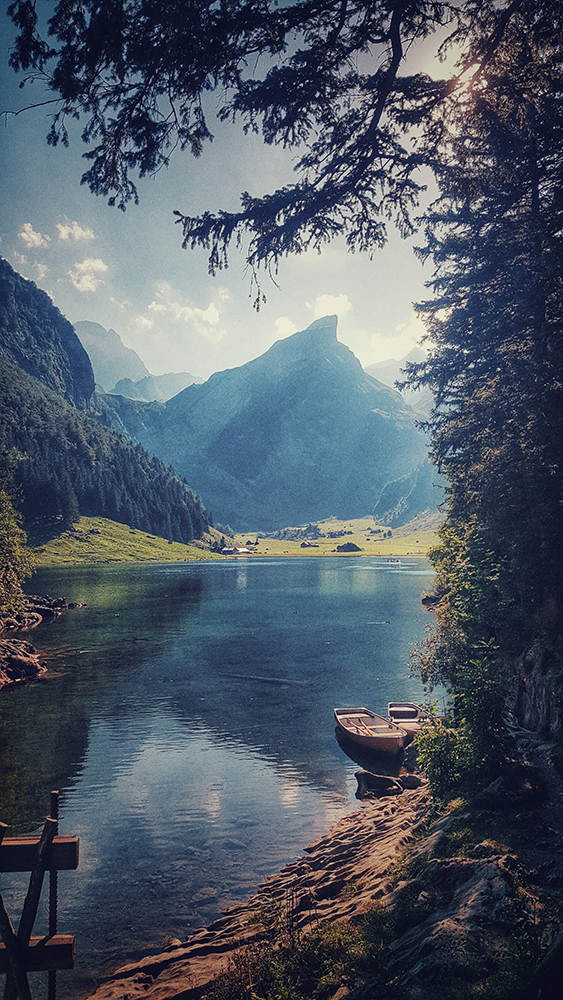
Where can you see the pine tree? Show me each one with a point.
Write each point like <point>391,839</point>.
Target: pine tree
<point>495,332</point>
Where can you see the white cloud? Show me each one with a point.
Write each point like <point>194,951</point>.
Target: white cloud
<point>285,326</point>
<point>84,277</point>
<point>71,230</point>
<point>20,258</point>
<point>144,321</point>
<point>172,333</point>
<point>414,330</point>
<point>32,239</point>
<point>329,305</point>
<point>42,270</point>
<point>399,343</point>
<point>122,306</point>
<point>171,304</point>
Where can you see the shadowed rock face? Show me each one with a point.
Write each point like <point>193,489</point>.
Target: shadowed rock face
<point>38,338</point>
<point>111,359</point>
<point>298,434</point>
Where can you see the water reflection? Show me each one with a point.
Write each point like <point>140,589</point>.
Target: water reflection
<point>189,728</point>
<point>369,760</point>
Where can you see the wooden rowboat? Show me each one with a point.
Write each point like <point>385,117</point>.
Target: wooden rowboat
<point>369,730</point>
<point>407,715</point>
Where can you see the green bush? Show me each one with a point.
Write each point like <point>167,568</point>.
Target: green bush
<point>444,755</point>
<point>16,561</point>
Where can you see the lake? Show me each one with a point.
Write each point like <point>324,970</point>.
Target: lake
<point>187,722</point>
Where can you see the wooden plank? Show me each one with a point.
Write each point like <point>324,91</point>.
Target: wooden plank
<point>44,954</point>
<point>33,896</point>
<point>17,854</point>
<point>31,902</point>
<point>10,952</point>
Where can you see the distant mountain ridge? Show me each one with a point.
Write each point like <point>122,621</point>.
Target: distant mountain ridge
<point>110,358</point>
<point>392,371</point>
<point>298,434</point>
<point>119,369</point>
<point>155,388</point>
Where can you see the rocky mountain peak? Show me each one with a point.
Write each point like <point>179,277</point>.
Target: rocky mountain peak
<point>297,434</point>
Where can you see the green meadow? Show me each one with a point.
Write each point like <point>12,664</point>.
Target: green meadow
<point>413,539</point>
<point>97,540</point>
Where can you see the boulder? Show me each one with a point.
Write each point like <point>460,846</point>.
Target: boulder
<point>18,662</point>
<point>375,786</point>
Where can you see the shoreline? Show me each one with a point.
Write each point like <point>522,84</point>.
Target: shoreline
<point>339,878</point>
<point>462,893</point>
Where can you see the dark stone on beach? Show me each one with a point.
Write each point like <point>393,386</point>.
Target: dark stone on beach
<point>18,659</point>
<point>376,785</point>
<point>410,781</point>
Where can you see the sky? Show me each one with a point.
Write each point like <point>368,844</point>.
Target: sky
<point>128,271</point>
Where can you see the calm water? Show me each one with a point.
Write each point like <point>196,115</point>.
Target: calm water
<point>188,725</point>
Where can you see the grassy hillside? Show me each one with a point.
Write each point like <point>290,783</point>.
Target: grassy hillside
<point>97,540</point>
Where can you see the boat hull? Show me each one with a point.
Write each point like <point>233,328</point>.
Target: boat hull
<point>369,730</point>
<point>407,715</point>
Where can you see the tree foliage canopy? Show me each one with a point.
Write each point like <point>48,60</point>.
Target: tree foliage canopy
<point>495,330</point>
<point>329,78</point>
<point>16,562</point>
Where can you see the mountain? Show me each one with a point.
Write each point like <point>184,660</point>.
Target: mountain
<point>38,338</point>
<point>111,360</point>
<point>155,387</point>
<point>392,371</point>
<point>119,370</point>
<point>61,461</point>
<point>404,499</point>
<point>299,434</point>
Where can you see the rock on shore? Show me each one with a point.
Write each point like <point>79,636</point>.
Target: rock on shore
<point>19,660</point>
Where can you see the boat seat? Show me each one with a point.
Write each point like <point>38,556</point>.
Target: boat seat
<point>358,724</point>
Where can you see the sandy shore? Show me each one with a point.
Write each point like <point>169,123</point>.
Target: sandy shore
<point>357,852</point>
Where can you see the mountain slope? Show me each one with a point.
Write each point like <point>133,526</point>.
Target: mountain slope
<point>70,464</point>
<point>38,338</point>
<point>111,359</point>
<point>61,461</point>
<point>392,371</point>
<point>298,434</point>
